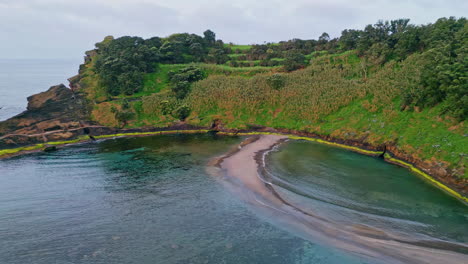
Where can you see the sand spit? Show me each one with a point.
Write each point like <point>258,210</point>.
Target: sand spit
<point>240,172</point>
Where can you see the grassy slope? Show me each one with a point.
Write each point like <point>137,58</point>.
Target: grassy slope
<point>238,47</point>
<point>329,101</point>
<point>330,97</point>
<point>156,89</point>
<point>423,134</point>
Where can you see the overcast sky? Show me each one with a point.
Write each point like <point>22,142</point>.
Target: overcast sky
<point>66,28</point>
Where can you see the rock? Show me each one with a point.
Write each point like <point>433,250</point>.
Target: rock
<point>50,149</point>
<point>441,171</point>
<point>52,115</point>
<point>49,97</point>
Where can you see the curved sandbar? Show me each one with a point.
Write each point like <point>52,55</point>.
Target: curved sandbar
<point>240,172</point>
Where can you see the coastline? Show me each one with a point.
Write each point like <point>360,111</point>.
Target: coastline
<point>455,191</point>
<point>241,171</point>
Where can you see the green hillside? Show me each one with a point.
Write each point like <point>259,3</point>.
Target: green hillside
<point>391,83</point>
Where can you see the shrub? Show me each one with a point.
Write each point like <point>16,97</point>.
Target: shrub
<point>182,79</point>
<point>276,81</point>
<point>123,116</point>
<point>182,112</point>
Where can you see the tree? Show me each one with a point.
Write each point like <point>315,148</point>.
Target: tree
<point>407,42</point>
<point>210,37</point>
<point>105,43</point>
<point>324,38</point>
<point>399,26</point>
<point>349,39</point>
<point>154,42</point>
<point>217,56</point>
<point>196,49</point>
<point>130,82</point>
<point>172,51</point>
<point>444,70</point>
<point>181,80</point>
<point>294,60</point>
<point>122,62</point>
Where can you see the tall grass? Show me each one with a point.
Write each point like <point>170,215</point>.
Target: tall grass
<point>338,95</point>
<point>333,97</point>
<point>307,95</point>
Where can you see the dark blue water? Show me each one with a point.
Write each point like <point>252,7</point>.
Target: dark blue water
<point>20,78</point>
<point>138,200</point>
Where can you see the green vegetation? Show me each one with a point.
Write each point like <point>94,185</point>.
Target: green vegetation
<point>445,80</point>
<point>276,81</point>
<point>182,79</point>
<point>182,112</point>
<point>124,115</point>
<point>392,83</point>
<point>238,47</point>
<point>123,62</point>
<point>159,79</point>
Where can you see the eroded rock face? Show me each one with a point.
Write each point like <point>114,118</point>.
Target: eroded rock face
<point>49,98</point>
<point>57,109</point>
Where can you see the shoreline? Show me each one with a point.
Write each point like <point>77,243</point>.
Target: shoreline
<point>240,170</point>
<point>451,189</point>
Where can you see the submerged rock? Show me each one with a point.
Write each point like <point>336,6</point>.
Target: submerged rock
<point>50,149</point>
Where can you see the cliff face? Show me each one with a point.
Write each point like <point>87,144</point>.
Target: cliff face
<point>58,109</point>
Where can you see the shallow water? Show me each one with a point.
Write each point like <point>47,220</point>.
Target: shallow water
<point>136,200</point>
<point>359,189</point>
<point>150,200</point>
<point>372,207</point>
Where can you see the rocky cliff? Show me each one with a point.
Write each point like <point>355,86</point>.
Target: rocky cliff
<point>55,114</point>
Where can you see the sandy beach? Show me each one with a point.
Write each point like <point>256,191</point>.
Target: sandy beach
<point>240,172</point>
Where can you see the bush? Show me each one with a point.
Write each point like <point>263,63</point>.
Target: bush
<point>294,60</point>
<point>123,116</point>
<point>182,79</point>
<point>276,81</point>
<point>182,112</point>
<point>181,89</point>
<point>166,107</point>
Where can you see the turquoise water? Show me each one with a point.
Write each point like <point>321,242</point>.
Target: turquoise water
<point>150,200</point>
<point>136,200</point>
<point>354,188</point>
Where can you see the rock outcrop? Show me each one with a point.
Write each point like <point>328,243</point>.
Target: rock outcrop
<point>58,109</point>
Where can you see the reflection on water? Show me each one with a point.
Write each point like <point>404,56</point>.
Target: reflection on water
<point>137,200</point>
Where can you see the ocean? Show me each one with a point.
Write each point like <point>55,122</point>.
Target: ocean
<point>20,78</point>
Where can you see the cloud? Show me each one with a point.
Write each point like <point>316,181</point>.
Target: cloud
<point>66,28</point>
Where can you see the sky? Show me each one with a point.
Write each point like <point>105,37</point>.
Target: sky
<point>67,28</point>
